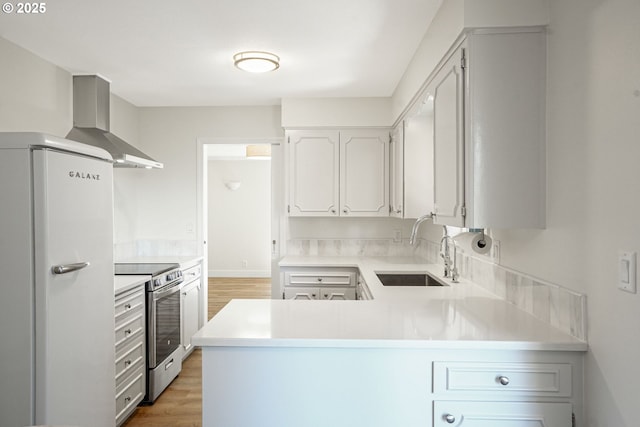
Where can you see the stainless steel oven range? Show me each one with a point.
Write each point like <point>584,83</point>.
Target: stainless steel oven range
<point>164,357</point>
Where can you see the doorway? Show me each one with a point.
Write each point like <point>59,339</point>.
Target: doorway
<point>239,198</point>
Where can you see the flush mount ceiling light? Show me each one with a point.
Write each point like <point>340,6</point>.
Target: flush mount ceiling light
<point>256,62</point>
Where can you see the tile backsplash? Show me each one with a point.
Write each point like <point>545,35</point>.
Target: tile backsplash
<point>150,248</point>
<point>551,303</point>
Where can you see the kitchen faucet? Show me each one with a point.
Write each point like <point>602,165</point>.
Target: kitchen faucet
<point>450,267</point>
<point>416,225</point>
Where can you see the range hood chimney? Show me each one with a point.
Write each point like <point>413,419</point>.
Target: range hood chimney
<point>91,123</point>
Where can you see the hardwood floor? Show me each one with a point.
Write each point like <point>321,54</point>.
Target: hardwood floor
<point>180,405</point>
<point>224,289</point>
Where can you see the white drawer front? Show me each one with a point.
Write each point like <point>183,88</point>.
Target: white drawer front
<point>320,279</point>
<point>129,303</point>
<point>130,395</point>
<point>191,274</point>
<point>532,379</point>
<point>501,414</point>
<point>128,330</point>
<point>132,359</point>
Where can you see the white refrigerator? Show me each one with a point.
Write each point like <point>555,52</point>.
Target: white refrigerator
<point>56,270</point>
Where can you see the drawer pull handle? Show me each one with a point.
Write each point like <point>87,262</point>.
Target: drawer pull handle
<point>450,418</point>
<point>127,331</point>
<point>503,380</point>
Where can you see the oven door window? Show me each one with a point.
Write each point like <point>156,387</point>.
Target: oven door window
<point>167,321</point>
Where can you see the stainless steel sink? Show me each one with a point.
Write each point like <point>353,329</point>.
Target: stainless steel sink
<point>408,279</point>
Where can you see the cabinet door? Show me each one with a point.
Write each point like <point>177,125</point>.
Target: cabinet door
<point>448,138</point>
<point>337,293</point>
<point>396,172</point>
<point>501,414</point>
<point>190,315</point>
<point>364,173</point>
<point>292,292</point>
<point>418,155</point>
<point>313,172</point>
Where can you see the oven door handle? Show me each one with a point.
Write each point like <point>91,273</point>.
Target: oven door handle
<point>161,293</point>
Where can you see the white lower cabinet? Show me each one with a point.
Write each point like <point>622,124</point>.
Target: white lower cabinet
<point>190,306</point>
<point>131,363</point>
<point>509,394</point>
<point>501,414</point>
<point>319,283</point>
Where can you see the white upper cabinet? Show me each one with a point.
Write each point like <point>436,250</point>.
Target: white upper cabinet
<point>338,173</point>
<point>489,131</point>
<point>314,170</point>
<point>447,90</point>
<point>418,159</point>
<point>364,173</point>
<point>396,172</point>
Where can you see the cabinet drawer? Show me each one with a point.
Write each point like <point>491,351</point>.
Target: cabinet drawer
<point>192,273</point>
<point>130,394</point>
<point>506,414</point>
<point>320,278</point>
<point>531,379</point>
<point>128,330</point>
<point>129,303</point>
<point>132,358</point>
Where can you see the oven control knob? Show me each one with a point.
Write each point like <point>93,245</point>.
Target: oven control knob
<point>157,282</point>
<point>169,277</point>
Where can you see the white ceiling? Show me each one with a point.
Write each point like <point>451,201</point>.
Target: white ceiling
<point>179,52</point>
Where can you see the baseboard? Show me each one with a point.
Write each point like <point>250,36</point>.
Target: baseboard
<point>240,273</point>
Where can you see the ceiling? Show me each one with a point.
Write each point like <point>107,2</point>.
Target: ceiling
<point>179,53</point>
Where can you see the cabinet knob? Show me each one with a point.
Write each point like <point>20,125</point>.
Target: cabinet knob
<point>127,306</point>
<point>450,418</point>
<point>333,211</point>
<point>127,362</point>
<point>503,380</point>
<point>319,279</point>
<point>127,331</point>
<point>127,399</point>
<point>345,211</point>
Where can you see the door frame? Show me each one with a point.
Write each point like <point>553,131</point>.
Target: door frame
<point>277,204</point>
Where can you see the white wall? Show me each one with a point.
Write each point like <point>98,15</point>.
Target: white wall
<point>167,208</point>
<point>593,117</point>
<point>239,220</point>
<point>335,112</point>
<point>35,95</point>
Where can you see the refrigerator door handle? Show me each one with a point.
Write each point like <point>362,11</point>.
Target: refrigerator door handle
<point>68,268</point>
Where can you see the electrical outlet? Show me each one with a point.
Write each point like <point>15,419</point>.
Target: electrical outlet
<point>397,236</point>
<point>495,251</point>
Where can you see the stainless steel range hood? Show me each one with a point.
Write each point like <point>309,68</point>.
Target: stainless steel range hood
<point>91,123</point>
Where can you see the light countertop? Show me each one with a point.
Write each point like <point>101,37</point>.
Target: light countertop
<point>124,283</point>
<point>459,316</point>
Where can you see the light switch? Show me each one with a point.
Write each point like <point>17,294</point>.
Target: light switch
<point>627,271</point>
